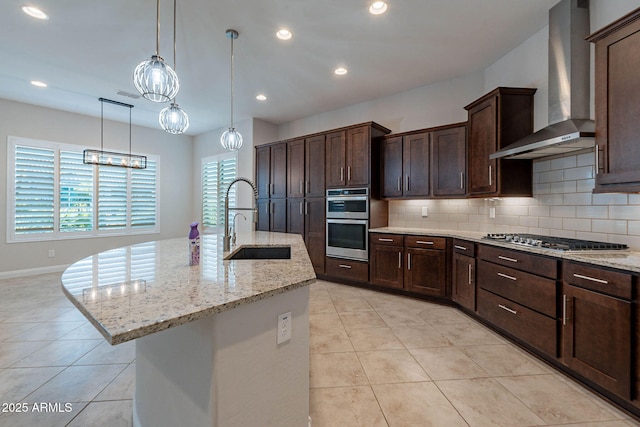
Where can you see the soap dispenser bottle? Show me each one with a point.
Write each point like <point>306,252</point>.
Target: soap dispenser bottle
<point>194,245</point>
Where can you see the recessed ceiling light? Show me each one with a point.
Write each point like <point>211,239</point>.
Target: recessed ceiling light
<point>38,83</point>
<point>261,97</point>
<point>340,71</point>
<point>284,34</point>
<point>34,12</point>
<point>378,8</point>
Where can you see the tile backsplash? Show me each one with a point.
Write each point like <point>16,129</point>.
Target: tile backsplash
<point>562,205</point>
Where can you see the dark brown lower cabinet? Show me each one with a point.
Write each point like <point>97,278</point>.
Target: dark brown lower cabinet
<point>596,341</point>
<point>306,217</point>
<point>272,215</point>
<point>357,271</point>
<point>426,271</point>
<point>464,270</point>
<point>386,265</point>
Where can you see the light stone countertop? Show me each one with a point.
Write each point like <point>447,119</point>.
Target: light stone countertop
<point>627,260</point>
<point>130,292</point>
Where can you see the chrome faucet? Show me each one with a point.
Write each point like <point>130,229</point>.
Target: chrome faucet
<point>233,229</point>
<point>226,243</point>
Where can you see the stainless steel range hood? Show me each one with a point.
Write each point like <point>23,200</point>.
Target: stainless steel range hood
<point>570,127</point>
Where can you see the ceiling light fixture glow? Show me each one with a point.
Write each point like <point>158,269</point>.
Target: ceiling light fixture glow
<point>378,8</point>
<point>38,83</point>
<point>284,34</point>
<point>340,71</point>
<point>34,12</point>
<point>261,97</point>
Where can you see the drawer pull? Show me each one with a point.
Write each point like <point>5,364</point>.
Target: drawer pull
<point>422,242</point>
<point>507,309</point>
<point>505,258</point>
<point>592,279</point>
<point>399,259</point>
<point>470,277</point>
<point>344,266</point>
<point>409,261</point>
<point>380,239</point>
<point>462,248</point>
<point>564,310</point>
<point>506,276</point>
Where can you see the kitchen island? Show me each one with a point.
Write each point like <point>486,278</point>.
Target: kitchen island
<point>206,350</point>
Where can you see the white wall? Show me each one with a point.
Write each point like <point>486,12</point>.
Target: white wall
<point>29,121</point>
<point>254,132</point>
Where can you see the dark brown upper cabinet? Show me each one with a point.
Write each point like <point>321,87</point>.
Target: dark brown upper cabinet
<point>271,171</point>
<point>405,166</point>
<point>449,161</point>
<point>496,120</point>
<point>314,149</point>
<point>617,105</point>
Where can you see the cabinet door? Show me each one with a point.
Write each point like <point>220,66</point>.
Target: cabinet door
<point>264,215</point>
<point>392,167</point>
<point>482,142</point>
<point>448,161</point>
<point>597,338</point>
<point>314,166</point>
<point>357,156</point>
<point>464,284</point>
<point>335,159</point>
<point>263,171</point>
<point>295,168</point>
<point>386,266</point>
<point>416,165</point>
<point>425,271</point>
<point>278,215</point>
<point>314,210</point>
<point>279,170</point>
<point>295,216</point>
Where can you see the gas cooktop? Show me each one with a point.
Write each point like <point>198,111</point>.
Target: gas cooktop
<point>557,243</point>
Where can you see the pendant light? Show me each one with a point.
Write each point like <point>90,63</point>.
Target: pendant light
<point>154,79</point>
<point>231,139</point>
<point>174,119</point>
<point>113,158</point>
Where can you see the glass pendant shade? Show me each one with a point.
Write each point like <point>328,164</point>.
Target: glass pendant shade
<point>231,140</point>
<point>174,119</point>
<point>155,80</point>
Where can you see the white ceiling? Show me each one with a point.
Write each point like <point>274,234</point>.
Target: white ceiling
<point>88,49</point>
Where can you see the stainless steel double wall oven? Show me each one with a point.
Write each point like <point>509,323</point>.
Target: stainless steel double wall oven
<point>348,223</point>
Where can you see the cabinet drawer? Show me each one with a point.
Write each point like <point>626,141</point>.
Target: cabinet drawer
<point>535,292</point>
<point>464,247</point>
<point>426,242</point>
<point>536,264</point>
<point>531,327</point>
<point>598,279</point>
<point>386,239</point>
<point>347,269</point>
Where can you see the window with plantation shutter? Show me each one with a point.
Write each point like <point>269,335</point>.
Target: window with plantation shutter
<point>217,173</point>
<point>53,195</point>
<point>34,190</point>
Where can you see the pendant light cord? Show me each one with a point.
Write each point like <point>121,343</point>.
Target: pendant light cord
<point>158,28</point>
<point>232,37</point>
<point>101,124</point>
<point>130,133</point>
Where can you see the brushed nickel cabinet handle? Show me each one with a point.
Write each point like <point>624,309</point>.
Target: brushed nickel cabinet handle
<point>507,309</point>
<point>470,281</point>
<point>407,186</point>
<point>506,276</point>
<point>306,208</point>
<point>341,174</point>
<point>380,239</point>
<point>462,248</point>
<point>348,173</point>
<point>267,187</point>
<point>408,261</point>
<point>344,266</point>
<point>301,208</point>
<point>490,175</point>
<point>301,187</point>
<point>399,183</point>
<point>273,188</point>
<point>505,258</point>
<point>462,180</point>
<point>399,259</point>
<point>271,205</point>
<point>307,185</point>
<point>422,242</point>
<point>564,310</point>
<point>592,279</point>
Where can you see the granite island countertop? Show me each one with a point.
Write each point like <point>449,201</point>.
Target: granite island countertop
<point>628,260</point>
<point>133,291</point>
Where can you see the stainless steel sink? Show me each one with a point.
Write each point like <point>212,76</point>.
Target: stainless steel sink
<point>264,252</point>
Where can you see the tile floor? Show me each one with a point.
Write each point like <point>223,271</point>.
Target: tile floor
<point>376,360</point>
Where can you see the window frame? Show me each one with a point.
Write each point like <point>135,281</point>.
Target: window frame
<point>204,161</point>
<point>57,234</point>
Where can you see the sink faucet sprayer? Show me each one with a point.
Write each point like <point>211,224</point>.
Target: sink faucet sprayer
<point>227,237</point>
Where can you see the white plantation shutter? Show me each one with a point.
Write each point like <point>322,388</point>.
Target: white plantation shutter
<point>76,193</point>
<point>112,198</point>
<point>143,196</point>
<point>217,173</point>
<point>34,176</point>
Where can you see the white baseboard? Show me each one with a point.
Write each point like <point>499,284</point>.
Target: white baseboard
<point>32,271</point>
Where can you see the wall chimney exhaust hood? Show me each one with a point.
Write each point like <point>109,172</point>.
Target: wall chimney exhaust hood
<point>570,127</point>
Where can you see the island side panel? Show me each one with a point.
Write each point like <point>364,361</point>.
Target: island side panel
<point>227,370</point>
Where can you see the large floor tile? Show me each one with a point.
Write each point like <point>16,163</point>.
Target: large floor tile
<point>361,319</point>
<point>391,366</point>
<point>11,352</point>
<point>369,339</point>
<point>58,353</point>
<point>329,320</point>
<point>400,318</point>
<point>416,404</point>
<point>447,363</point>
<point>41,314</point>
<point>554,401</point>
<point>17,383</point>
<point>464,334</point>
<point>345,406</point>
<point>122,387</point>
<point>14,331</point>
<point>422,336</point>
<point>115,413</point>
<point>85,332</point>
<point>106,353</point>
<point>351,304</point>
<point>329,341</point>
<point>485,402</point>
<point>46,331</point>
<point>505,360</point>
<point>335,370</point>
<point>443,315</point>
